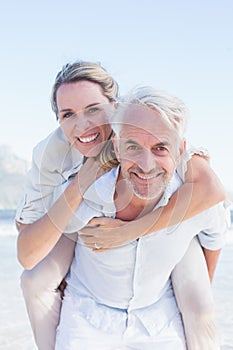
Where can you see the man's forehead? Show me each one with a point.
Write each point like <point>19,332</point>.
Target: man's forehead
<point>144,118</point>
<point>132,133</point>
<point>146,121</point>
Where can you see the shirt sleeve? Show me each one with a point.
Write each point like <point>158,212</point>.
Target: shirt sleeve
<point>86,211</point>
<point>53,162</point>
<point>214,236</point>
<point>97,201</point>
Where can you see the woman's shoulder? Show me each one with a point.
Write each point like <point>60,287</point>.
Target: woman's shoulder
<point>55,152</point>
<point>54,141</point>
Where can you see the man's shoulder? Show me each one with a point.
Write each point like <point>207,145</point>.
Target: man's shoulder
<point>213,219</point>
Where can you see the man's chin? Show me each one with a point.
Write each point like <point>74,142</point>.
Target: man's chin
<point>147,194</point>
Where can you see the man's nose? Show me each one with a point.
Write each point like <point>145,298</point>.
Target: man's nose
<point>147,161</point>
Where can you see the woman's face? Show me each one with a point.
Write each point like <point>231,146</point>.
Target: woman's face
<point>83,113</point>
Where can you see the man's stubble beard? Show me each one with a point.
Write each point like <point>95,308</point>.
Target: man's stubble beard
<point>160,190</point>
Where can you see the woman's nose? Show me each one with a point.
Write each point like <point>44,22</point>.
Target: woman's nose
<point>82,123</point>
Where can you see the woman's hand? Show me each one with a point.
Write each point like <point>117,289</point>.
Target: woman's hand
<point>90,171</point>
<point>104,233</point>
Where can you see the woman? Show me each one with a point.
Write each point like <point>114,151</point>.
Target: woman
<point>83,94</point>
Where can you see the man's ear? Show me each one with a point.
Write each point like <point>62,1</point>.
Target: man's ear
<point>182,149</point>
<point>115,142</point>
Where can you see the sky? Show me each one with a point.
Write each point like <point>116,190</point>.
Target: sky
<point>179,46</point>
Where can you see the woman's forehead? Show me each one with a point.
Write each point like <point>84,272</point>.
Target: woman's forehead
<point>80,94</point>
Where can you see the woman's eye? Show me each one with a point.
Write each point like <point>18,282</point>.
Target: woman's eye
<point>93,110</point>
<point>67,115</point>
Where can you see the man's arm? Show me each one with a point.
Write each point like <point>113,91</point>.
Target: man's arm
<point>211,257</point>
<point>213,238</point>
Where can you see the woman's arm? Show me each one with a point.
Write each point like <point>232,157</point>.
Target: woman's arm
<point>36,240</point>
<point>201,190</point>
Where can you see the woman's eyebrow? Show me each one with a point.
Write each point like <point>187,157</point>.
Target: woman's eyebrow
<point>93,104</point>
<point>88,106</point>
<point>65,110</point>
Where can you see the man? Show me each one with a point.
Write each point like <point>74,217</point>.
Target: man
<point>123,298</point>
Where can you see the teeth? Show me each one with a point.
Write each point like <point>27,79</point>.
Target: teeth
<point>89,138</point>
<point>146,177</point>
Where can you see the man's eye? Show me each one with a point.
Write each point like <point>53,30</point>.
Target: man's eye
<point>132,148</point>
<point>160,150</point>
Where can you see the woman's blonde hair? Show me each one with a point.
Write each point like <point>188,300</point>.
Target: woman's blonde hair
<point>94,72</point>
<point>107,156</point>
<point>81,70</point>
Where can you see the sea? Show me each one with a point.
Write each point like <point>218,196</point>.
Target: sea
<point>15,331</point>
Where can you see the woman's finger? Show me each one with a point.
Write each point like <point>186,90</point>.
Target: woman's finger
<point>87,238</point>
<point>100,221</point>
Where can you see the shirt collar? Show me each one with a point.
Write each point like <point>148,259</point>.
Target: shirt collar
<point>102,191</point>
<point>173,185</point>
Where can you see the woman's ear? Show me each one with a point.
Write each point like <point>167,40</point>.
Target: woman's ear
<point>115,142</point>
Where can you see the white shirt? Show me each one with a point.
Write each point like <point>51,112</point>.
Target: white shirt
<point>115,287</point>
<point>54,160</point>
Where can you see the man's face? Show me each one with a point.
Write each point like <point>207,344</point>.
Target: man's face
<point>148,150</point>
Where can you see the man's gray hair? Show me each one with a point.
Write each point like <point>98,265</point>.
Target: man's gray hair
<point>170,108</point>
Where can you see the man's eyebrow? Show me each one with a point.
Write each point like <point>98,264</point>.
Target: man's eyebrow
<point>163,143</point>
<point>159,144</point>
<point>131,142</point>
